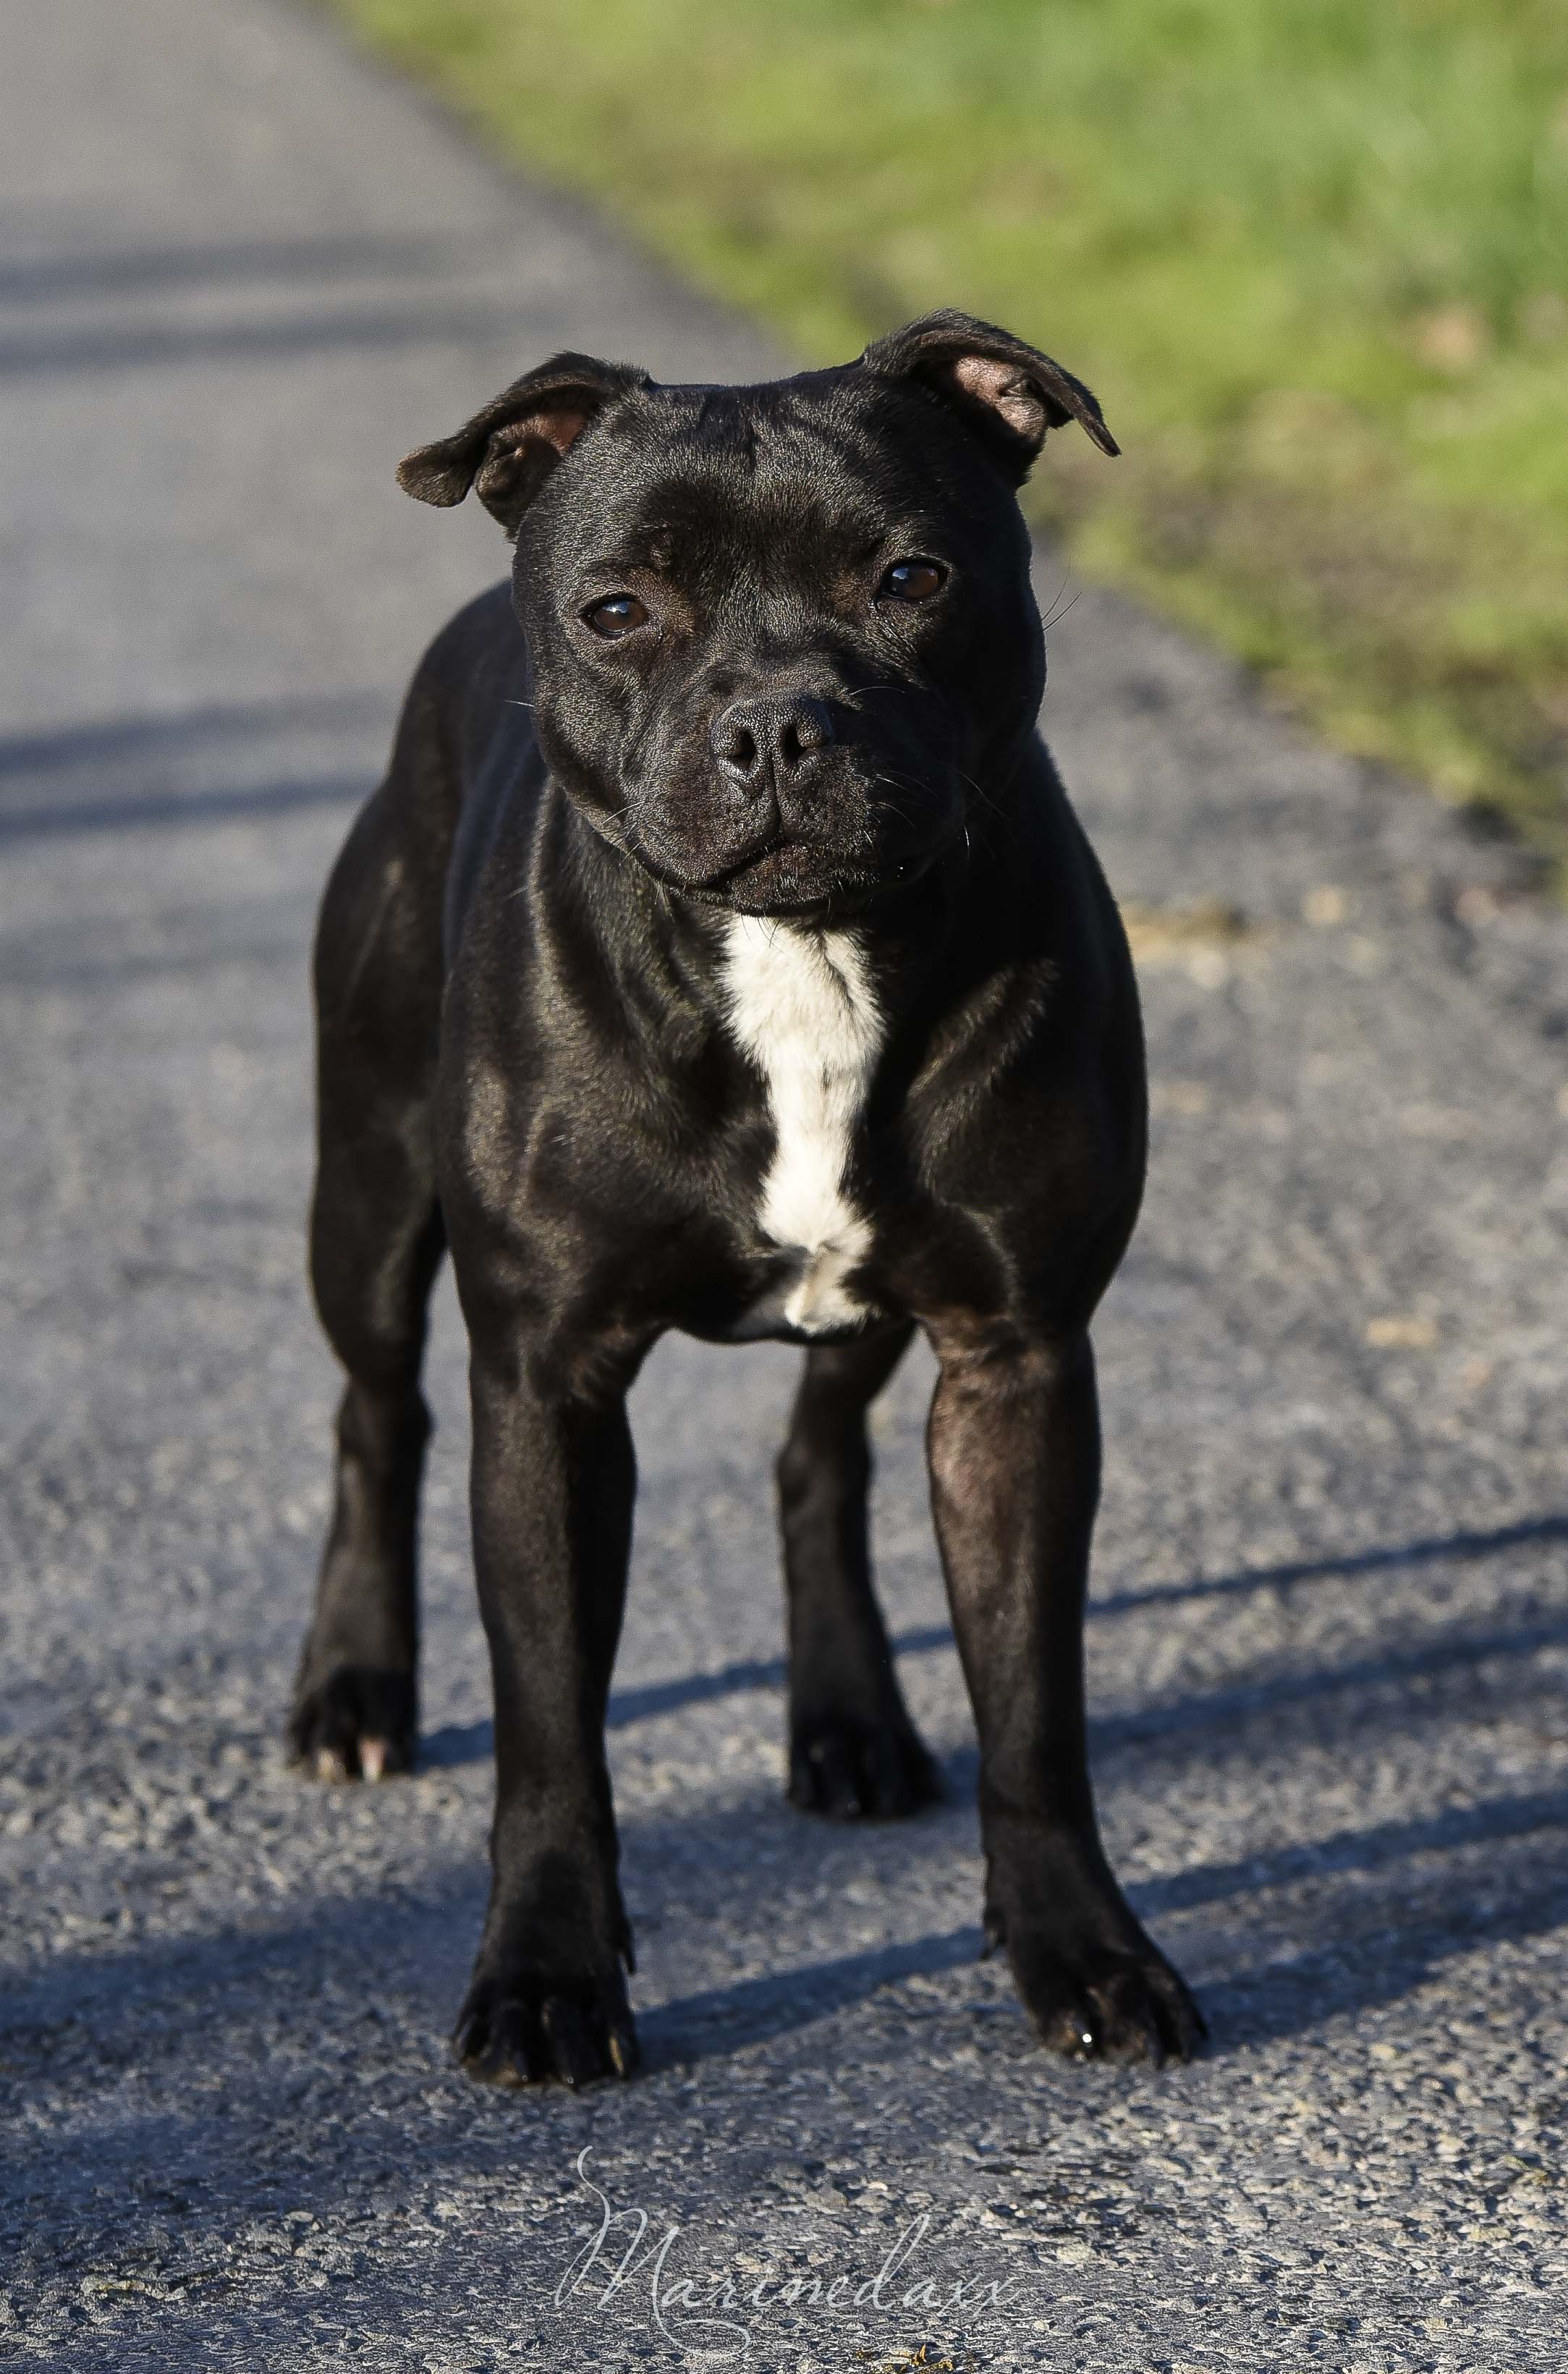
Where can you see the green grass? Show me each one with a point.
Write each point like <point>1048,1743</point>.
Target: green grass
<point>1313,254</point>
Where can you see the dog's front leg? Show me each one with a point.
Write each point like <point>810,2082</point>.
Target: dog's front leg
<point>553,1481</point>
<point>1015,1474</point>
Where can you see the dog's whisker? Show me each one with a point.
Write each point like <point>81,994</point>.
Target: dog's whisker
<point>1051,606</point>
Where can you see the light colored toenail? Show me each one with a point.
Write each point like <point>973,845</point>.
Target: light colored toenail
<point>330,1764</point>
<point>372,1759</point>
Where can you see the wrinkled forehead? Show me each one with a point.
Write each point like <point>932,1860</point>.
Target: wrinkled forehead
<point>806,475</point>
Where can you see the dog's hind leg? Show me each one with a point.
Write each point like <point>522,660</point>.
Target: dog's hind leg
<point>852,1749</point>
<point>376,1240</point>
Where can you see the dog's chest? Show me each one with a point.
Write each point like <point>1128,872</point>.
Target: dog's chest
<point>803,1006</point>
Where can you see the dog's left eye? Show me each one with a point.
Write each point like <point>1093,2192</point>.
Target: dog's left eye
<point>911,581</point>
<point>623,613</point>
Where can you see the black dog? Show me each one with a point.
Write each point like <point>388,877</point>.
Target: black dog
<point>722,953</point>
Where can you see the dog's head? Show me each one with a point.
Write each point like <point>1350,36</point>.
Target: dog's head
<point>777,631</point>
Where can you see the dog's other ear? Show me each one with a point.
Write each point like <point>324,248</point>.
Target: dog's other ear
<point>1009,393</point>
<point>508,451</point>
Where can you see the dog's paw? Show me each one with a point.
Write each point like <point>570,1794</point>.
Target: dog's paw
<point>851,1770</point>
<point>1106,2004</point>
<point>355,1722</point>
<point>526,2027</point>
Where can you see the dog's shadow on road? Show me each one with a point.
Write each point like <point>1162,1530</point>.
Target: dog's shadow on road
<point>474,1742</point>
<point>1387,1904</point>
<point>1382,1906</point>
<point>1380,1942</point>
<point>459,1743</point>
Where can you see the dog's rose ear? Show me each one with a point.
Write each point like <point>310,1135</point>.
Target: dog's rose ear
<point>1008,392</point>
<point>508,451</point>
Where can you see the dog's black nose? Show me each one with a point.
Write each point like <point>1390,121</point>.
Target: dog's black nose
<point>760,743</point>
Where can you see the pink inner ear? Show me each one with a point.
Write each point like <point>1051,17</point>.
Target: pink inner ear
<point>514,461</point>
<point>1004,387</point>
<point>560,428</point>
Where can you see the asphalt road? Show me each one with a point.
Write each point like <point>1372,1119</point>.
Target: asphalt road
<point>240,273</point>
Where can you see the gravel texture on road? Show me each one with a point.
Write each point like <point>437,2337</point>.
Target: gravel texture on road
<point>241,273</point>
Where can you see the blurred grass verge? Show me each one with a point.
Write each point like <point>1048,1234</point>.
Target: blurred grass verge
<point>1313,255</point>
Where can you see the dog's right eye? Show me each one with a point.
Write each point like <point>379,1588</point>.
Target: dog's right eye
<point>622,614</point>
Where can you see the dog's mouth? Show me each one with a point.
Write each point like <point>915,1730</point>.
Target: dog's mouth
<point>789,877</point>
<point>793,875</point>
<point>796,877</point>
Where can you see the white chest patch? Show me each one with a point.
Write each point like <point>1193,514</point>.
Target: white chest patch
<point>803,1006</point>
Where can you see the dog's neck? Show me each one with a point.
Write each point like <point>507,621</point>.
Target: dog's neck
<point>919,946</point>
